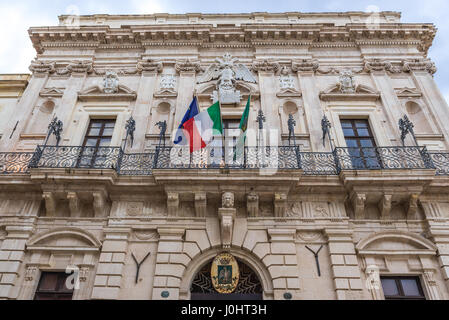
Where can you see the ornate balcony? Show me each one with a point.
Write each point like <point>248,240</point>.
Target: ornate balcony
<point>383,158</point>
<point>441,162</point>
<point>15,162</point>
<point>76,157</point>
<point>253,158</point>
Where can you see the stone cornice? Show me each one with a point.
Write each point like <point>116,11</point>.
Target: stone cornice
<point>421,35</point>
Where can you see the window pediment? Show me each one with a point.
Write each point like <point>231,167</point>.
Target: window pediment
<point>360,92</point>
<point>96,93</point>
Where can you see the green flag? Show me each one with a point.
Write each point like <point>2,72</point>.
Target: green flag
<point>243,128</point>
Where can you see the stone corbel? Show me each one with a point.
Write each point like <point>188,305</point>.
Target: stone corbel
<point>265,66</point>
<point>201,204</point>
<point>385,207</point>
<point>419,65</point>
<point>227,217</point>
<point>50,203</point>
<point>412,207</point>
<point>280,205</point>
<point>188,66</point>
<point>252,204</point>
<point>100,204</point>
<point>149,66</point>
<point>305,65</point>
<point>74,204</point>
<point>172,204</point>
<point>358,203</point>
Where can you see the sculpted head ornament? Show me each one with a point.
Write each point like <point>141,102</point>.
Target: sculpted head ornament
<point>228,200</point>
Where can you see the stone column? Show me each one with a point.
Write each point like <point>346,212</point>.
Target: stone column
<point>171,263</point>
<point>111,264</point>
<point>12,254</point>
<point>344,265</point>
<point>282,262</point>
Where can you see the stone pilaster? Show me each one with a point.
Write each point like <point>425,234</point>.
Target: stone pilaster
<point>171,263</point>
<point>344,265</point>
<point>12,254</point>
<point>108,279</point>
<point>282,262</point>
<point>440,237</point>
<point>147,87</point>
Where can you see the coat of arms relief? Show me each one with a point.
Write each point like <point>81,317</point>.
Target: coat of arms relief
<point>227,71</point>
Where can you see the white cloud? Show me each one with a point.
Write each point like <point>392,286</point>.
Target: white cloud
<point>17,51</point>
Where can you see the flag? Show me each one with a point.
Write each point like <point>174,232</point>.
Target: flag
<point>203,127</point>
<point>180,138</point>
<point>239,151</point>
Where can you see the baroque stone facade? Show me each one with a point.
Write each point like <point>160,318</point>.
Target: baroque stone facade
<point>131,223</point>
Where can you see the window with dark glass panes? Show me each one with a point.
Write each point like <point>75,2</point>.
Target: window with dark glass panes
<point>53,286</point>
<point>96,142</point>
<point>402,288</point>
<point>361,143</point>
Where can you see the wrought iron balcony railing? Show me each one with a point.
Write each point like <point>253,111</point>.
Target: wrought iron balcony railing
<point>441,162</point>
<point>383,158</point>
<point>15,162</point>
<point>76,157</point>
<point>270,158</point>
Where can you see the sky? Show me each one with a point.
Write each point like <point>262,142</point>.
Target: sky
<point>16,51</point>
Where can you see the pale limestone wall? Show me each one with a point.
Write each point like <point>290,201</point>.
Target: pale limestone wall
<point>392,222</point>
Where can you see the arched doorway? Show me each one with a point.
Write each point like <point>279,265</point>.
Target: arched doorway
<point>249,287</point>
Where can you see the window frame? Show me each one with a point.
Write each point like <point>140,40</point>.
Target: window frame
<point>398,282</point>
<point>59,292</point>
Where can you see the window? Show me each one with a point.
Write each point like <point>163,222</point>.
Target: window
<point>52,286</point>
<point>361,144</point>
<point>99,133</point>
<point>98,138</point>
<point>402,288</point>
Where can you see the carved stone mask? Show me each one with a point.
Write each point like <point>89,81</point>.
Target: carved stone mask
<point>228,200</point>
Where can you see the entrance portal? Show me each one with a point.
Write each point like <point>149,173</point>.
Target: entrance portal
<point>249,287</point>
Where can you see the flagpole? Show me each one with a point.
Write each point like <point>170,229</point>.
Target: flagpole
<point>222,134</point>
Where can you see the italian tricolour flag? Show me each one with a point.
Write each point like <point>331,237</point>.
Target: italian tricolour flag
<point>204,127</point>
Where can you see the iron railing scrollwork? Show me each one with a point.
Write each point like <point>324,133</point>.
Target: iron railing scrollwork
<point>270,158</point>
<point>383,158</point>
<point>16,162</point>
